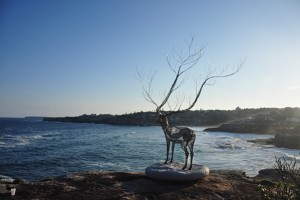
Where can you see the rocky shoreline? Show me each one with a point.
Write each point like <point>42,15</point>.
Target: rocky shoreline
<point>284,137</point>
<point>220,184</point>
<point>262,142</point>
<point>236,127</point>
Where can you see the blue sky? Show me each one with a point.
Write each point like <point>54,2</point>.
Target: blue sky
<point>67,58</point>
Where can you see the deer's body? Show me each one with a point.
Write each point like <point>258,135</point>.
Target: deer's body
<point>184,136</point>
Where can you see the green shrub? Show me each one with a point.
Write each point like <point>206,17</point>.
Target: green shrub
<point>288,186</point>
<point>18,181</point>
<point>48,178</point>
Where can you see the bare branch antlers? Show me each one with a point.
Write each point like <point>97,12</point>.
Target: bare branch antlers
<point>184,61</point>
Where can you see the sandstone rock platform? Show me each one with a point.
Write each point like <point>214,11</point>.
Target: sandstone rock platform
<point>94,185</point>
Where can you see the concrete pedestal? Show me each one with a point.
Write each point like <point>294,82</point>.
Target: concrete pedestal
<point>174,172</point>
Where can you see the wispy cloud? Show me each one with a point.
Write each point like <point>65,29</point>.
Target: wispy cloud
<point>294,88</point>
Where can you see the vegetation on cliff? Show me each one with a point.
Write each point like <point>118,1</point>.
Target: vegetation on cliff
<point>189,118</point>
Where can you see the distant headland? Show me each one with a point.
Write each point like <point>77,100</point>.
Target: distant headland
<point>284,123</point>
<point>196,118</point>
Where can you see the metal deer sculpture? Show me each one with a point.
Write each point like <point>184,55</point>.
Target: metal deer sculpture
<point>184,136</point>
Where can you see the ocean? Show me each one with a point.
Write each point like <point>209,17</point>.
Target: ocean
<point>31,149</point>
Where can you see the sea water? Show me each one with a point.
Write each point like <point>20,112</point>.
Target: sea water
<point>31,149</point>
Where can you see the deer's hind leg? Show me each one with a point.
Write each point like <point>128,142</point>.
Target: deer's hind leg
<point>168,148</point>
<point>191,148</point>
<point>191,155</point>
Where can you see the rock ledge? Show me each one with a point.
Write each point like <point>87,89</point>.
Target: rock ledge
<point>118,185</point>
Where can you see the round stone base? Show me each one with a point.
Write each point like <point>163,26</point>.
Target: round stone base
<point>174,172</point>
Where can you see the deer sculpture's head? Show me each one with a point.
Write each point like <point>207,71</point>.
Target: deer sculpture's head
<point>163,120</point>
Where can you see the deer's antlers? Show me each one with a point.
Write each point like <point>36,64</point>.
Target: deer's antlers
<point>184,61</point>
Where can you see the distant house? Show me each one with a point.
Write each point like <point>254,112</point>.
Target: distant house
<point>293,119</point>
<point>249,120</point>
<point>265,118</point>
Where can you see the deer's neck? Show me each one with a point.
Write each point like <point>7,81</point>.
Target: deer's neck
<point>166,128</point>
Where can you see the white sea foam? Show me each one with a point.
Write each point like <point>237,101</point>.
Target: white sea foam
<point>6,178</point>
<point>290,156</point>
<point>102,164</point>
<point>18,140</point>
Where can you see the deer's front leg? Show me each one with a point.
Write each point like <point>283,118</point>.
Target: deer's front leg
<point>168,147</point>
<point>173,145</point>
<point>186,156</point>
